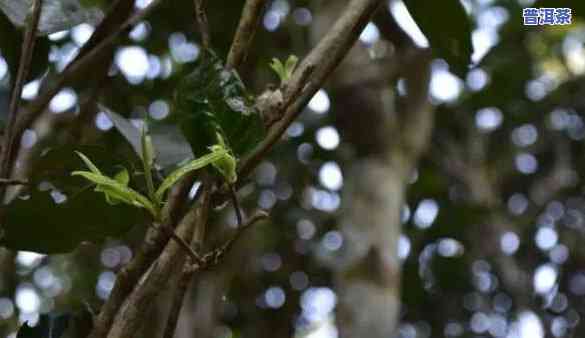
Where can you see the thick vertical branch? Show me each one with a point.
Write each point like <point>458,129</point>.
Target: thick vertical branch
<point>245,33</point>
<point>147,253</point>
<point>9,147</point>
<point>169,263</point>
<point>202,24</point>
<point>178,299</point>
<point>185,279</point>
<point>189,270</point>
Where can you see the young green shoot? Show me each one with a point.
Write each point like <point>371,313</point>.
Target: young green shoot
<point>286,69</point>
<point>116,189</point>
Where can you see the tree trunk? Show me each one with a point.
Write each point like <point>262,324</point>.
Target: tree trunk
<point>388,134</point>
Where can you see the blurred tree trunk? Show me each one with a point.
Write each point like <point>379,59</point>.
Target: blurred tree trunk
<point>388,133</point>
<point>199,314</point>
<point>202,314</point>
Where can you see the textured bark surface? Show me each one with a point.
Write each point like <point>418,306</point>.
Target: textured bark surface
<point>387,136</point>
<point>164,271</point>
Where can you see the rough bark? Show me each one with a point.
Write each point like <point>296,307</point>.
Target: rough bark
<point>168,264</point>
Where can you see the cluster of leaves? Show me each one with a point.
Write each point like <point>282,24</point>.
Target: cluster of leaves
<point>62,212</point>
<point>448,29</point>
<point>213,101</point>
<point>116,189</point>
<point>218,123</point>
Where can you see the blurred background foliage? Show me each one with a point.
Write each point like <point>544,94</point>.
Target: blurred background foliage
<point>494,214</point>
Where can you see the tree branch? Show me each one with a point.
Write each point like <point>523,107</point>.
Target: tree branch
<point>194,256</point>
<point>184,281</point>
<point>214,257</point>
<point>131,316</point>
<point>245,33</point>
<point>192,267</point>
<point>203,24</point>
<point>10,139</point>
<point>311,74</point>
<point>75,70</point>
<point>177,302</point>
<point>153,244</point>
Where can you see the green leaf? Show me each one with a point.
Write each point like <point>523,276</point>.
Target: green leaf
<point>56,164</point>
<point>58,15</point>
<point>212,101</point>
<point>226,165</point>
<point>170,146</point>
<point>147,163</point>
<point>284,71</point>
<point>112,196</point>
<point>291,64</point>
<point>88,163</point>
<point>118,191</point>
<point>115,189</point>
<point>49,326</point>
<point>147,149</point>
<point>39,224</point>
<point>123,177</point>
<point>218,153</point>
<point>449,36</point>
<point>126,128</point>
<point>279,69</point>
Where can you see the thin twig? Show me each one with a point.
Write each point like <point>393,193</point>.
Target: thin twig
<point>10,139</point>
<point>173,235</point>
<point>245,33</point>
<point>190,268</point>
<point>320,62</point>
<point>236,206</point>
<point>203,24</point>
<point>75,70</point>
<point>213,257</point>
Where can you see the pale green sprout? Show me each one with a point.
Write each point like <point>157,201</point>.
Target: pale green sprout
<point>148,162</point>
<point>284,70</point>
<point>116,189</point>
<point>216,155</point>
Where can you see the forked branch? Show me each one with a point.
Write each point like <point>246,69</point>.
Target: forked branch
<point>11,137</point>
<point>190,268</point>
<point>312,73</point>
